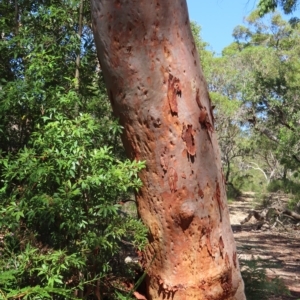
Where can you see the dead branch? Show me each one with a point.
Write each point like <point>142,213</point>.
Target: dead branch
<point>292,214</point>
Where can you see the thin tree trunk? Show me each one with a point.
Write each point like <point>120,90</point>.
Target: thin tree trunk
<point>228,171</point>
<point>157,90</point>
<point>79,34</point>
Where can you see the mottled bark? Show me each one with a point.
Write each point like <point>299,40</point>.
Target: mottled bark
<point>157,89</point>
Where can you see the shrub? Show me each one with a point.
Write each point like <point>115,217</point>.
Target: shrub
<point>61,223</point>
<point>257,284</point>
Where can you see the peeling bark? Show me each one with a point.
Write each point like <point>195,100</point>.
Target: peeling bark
<point>188,137</point>
<point>174,91</point>
<point>158,92</point>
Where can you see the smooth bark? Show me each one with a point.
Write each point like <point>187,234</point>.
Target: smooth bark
<point>157,90</point>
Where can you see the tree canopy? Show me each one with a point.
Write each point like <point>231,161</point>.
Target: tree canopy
<point>288,6</point>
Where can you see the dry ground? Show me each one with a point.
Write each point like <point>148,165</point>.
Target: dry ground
<point>278,247</point>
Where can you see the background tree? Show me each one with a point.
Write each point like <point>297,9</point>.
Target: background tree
<point>225,82</point>
<point>266,6</point>
<point>271,94</point>
<point>255,79</point>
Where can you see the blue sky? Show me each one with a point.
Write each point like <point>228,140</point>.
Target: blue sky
<point>218,19</point>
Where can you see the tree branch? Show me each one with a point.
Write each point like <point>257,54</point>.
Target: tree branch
<point>268,134</point>
<point>259,169</point>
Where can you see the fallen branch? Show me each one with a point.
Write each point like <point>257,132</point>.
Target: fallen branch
<point>292,214</point>
<point>259,216</point>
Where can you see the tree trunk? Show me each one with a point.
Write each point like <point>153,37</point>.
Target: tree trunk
<point>157,90</point>
<point>228,171</point>
<point>80,26</point>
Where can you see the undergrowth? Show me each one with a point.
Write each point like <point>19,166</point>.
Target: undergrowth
<point>257,284</point>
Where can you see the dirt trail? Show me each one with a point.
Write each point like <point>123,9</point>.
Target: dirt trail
<point>278,247</point>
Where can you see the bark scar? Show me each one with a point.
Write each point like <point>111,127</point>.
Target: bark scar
<point>223,178</point>
<point>227,262</point>
<point>188,137</point>
<point>174,90</point>
<point>221,246</point>
<point>234,258</point>
<point>226,280</point>
<point>208,243</point>
<point>172,179</point>
<point>218,198</point>
<point>164,160</point>
<point>211,108</point>
<point>203,116</point>
<point>200,193</point>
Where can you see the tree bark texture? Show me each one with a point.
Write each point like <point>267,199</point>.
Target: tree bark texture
<point>157,90</point>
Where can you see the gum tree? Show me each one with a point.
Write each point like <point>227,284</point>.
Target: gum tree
<point>157,90</point>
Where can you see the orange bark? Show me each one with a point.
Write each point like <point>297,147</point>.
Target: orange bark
<point>157,90</point>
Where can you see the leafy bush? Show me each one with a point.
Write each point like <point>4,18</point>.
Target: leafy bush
<point>232,192</point>
<point>61,223</point>
<point>62,167</point>
<point>285,185</point>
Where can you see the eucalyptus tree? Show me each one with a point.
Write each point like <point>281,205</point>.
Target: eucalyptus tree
<point>269,53</point>
<point>156,87</point>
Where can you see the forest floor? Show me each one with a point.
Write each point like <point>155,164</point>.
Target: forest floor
<point>277,249</point>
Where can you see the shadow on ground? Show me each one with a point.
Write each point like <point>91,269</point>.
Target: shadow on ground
<point>278,249</point>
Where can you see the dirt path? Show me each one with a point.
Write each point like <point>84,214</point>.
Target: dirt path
<point>278,248</point>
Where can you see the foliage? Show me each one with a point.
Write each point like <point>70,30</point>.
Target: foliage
<point>253,86</point>
<point>285,185</point>
<point>204,54</point>
<point>260,72</point>
<point>265,6</point>
<point>222,76</point>
<point>63,173</point>
<point>76,188</point>
<point>62,169</point>
<point>271,93</point>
